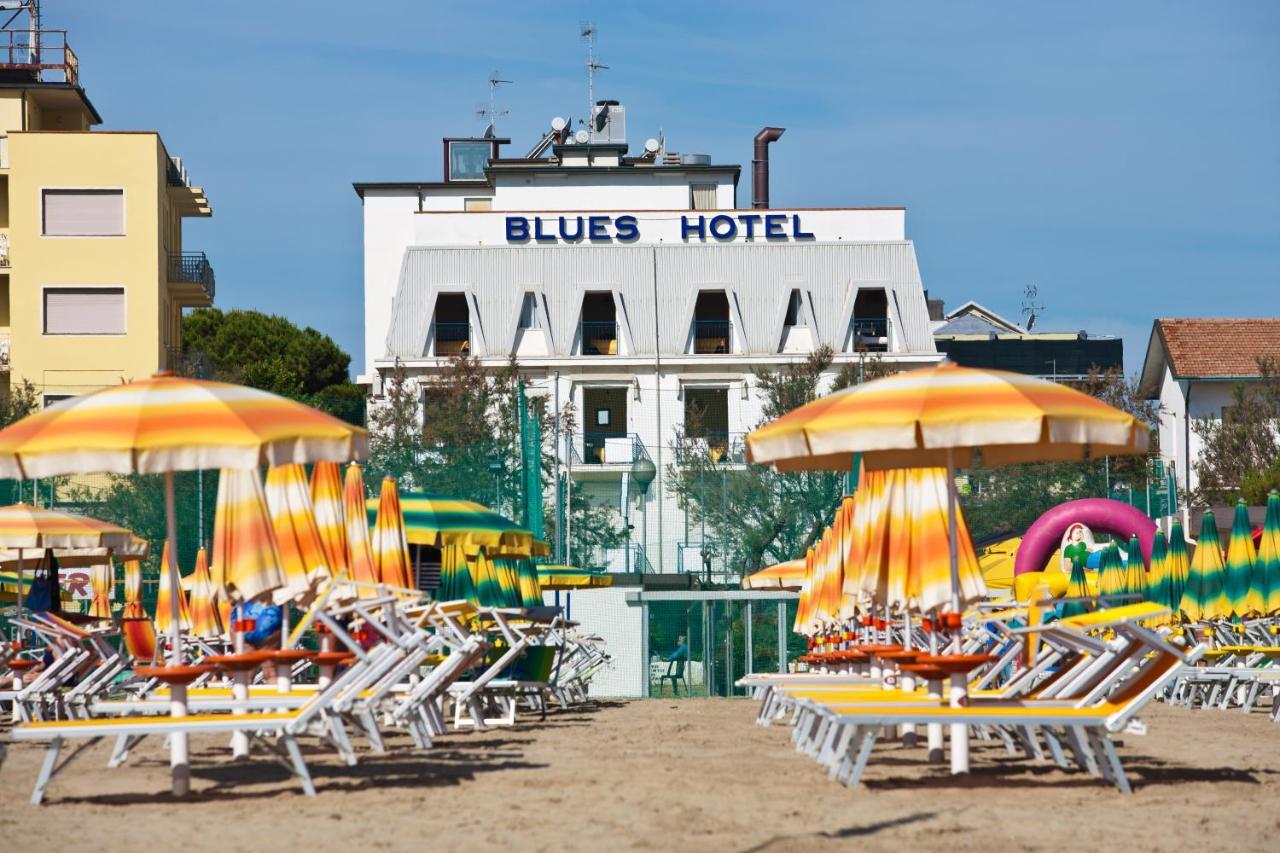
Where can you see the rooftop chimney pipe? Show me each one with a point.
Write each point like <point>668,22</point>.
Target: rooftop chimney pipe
<point>760,166</point>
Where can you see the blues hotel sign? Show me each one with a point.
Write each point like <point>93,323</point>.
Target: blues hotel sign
<point>626,228</point>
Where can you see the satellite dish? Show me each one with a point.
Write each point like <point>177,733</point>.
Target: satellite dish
<point>651,145</point>
<point>581,136</point>
<point>558,124</point>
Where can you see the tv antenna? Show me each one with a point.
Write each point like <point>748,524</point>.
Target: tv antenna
<point>492,113</point>
<point>587,31</point>
<point>1030,309</point>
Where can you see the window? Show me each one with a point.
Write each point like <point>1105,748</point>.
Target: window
<point>702,196</point>
<point>871,321</point>
<point>452,325</point>
<point>530,317</point>
<point>599,330</point>
<point>477,204</point>
<point>467,159</point>
<point>711,323</point>
<point>795,316</point>
<point>84,311</point>
<point>50,399</point>
<point>83,213</point>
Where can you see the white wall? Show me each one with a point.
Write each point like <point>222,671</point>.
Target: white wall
<point>1207,400</point>
<point>644,188</point>
<point>605,612</point>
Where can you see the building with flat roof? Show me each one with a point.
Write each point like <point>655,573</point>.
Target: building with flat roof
<point>94,274</point>
<point>634,288</point>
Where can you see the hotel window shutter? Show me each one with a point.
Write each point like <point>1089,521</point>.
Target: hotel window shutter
<point>704,196</point>
<point>84,213</point>
<point>84,311</point>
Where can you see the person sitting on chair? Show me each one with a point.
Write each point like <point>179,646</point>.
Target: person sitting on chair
<point>677,661</point>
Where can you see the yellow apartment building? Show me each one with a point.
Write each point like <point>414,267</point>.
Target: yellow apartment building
<point>93,270</point>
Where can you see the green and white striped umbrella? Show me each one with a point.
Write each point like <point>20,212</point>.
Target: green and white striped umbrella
<point>1205,597</point>
<point>1111,576</point>
<point>1269,553</point>
<point>1135,573</point>
<point>1178,564</point>
<point>1241,557</point>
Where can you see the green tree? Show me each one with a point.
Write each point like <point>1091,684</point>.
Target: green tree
<point>1240,453</point>
<point>18,401</point>
<point>265,351</point>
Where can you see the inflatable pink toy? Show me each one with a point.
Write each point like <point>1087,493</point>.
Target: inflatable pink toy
<point>1045,535</point>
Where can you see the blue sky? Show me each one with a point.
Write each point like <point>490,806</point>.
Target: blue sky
<point>1123,158</point>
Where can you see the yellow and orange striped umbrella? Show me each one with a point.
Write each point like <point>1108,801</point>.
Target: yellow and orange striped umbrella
<point>206,617</point>
<point>390,547</point>
<point>102,580</point>
<point>804,606</point>
<point>302,552</point>
<point>164,608</point>
<point>171,423</point>
<point>918,417</point>
<point>26,526</point>
<point>785,575</point>
<point>326,503</point>
<point>246,561</point>
<point>359,551</point>
<point>133,608</point>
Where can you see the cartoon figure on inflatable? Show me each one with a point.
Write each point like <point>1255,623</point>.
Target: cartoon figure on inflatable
<point>1069,528</point>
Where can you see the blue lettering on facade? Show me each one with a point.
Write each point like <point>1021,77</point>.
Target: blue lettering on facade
<point>773,226</point>
<point>576,235</point>
<point>796,232</point>
<point>598,228</point>
<point>749,221</point>
<point>723,227</point>
<point>686,229</point>
<point>538,234</point>
<point>517,229</point>
<point>626,228</point>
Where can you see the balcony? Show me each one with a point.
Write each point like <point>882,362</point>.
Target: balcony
<point>715,447</point>
<point>605,449</point>
<point>41,56</point>
<point>188,200</point>
<point>871,334</point>
<point>191,277</point>
<point>711,337</point>
<point>599,337</point>
<point>452,338</point>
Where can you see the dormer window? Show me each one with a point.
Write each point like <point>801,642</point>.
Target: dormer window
<point>598,331</point>
<point>451,328</point>
<point>869,329</point>
<point>795,311</point>
<point>530,318</point>
<point>797,337</point>
<point>711,327</point>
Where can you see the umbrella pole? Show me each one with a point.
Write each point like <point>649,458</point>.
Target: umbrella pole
<point>178,755</point>
<point>959,681</point>
<point>20,567</point>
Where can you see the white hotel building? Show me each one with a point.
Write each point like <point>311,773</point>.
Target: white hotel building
<point>634,287</point>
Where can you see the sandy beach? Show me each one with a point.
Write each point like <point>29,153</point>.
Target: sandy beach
<point>658,774</point>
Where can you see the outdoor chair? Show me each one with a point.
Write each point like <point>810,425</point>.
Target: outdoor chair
<point>675,674</point>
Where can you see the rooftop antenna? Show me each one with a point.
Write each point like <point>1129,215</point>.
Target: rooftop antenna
<point>1030,309</point>
<point>587,31</point>
<point>492,113</point>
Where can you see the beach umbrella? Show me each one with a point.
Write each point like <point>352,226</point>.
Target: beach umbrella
<point>165,607</point>
<point>166,424</point>
<point>1178,564</point>
<point>530,581</point>
<point>509,579</point>
<point>389,545</point>
<point>206,618</point>
<point>102,581</point>
<point>136,629</point>
<point>1269,553</point>
<point>1242,597</point>
<point>435,520</point>
<point>571,577</point>
<point>456,583</point>
<point>1159,583</point>
<point>133,608</point>
<point>1111,576</point>
<point>246,561</point>
<point>359,550</point>
<point>788,575</point>
<point>485,574</point>
<point>331,522</point>
<point>1135,574</point>
<point>1077,587</point>
<point>1204,597</point>
<point>303,559</point>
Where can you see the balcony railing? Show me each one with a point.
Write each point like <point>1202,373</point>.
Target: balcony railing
<point>605,448</point>
<point>710,337</point>
<point>715,447</point>
<point>35,53</point>
<point>871,333</point>
<point>192,268</point>
<point>177,173</point>
<point>599,337</point>
<point>452,337</point>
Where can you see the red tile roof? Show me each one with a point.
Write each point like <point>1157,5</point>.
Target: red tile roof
<point>1226,347</point>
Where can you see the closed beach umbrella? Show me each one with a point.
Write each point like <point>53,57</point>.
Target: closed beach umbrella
<point>530,581</point>
<point>1111,576</point>
<point>485,575</point>
<point>359,551</point>
<point>389,546</point>
<point>1178,564</point>
<point>1243,597</point>
<point>102,581</point>
<point>302,554</point>
<point>164,606</point>
<point>1204,597</point>
<point>136,629</point>
<point>434,520</point>
<point>1159,586</point>
<point>133,608</point>
<point>331,522</point>
<point>456,583</point>
<point>1077,587</point>
<point>206,618</point>
<point>246,561</point>
<point>1135,575</point>
<point>1269,553</point>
